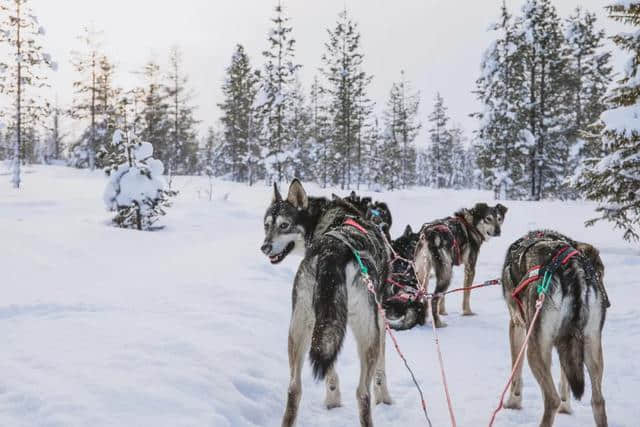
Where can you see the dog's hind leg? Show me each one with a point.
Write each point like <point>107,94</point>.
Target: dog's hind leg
<point>443,280</point>
<point>516,339</point>
<point>594,361</point>
<point>365,330</point>
<point>565,397</point>
<point>380,385</point>
<point>539,356</point>
<point>332,382</point>
<point>299,340</point>
<point>442,309</point>
<point>469,276</point>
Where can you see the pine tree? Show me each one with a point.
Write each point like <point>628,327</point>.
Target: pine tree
<point>591,78</point>
<point>501,89</point>
<point>278,84</point>
<point>614,180</point>
<point>320,142</point>
<point>440,146</point>
<point>181,155</point>
<point>348,105</point>
<point>457,159</point>
<point>401,121</point>
<point>299,158</point>
<point>547,106</point>
<point>22,75</point>
<point>85,103</point>
<point>136,189</point>
<point>240,151</point>
<point>153,122</point>
<point>56,137</point>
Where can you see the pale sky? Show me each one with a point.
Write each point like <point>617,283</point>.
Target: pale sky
<point>439,43</point>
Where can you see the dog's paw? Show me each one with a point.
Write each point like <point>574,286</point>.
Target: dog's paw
<point>443,313</point>
<point>330,404</point>
<point>565,407</point>
<point>468,313</point>
<point>384,398</point>
<point>441,324</point>
<point>332,399</point>
<point>514,402</point>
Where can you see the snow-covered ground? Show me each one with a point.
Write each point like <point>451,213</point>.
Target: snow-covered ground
<point>188,326</point>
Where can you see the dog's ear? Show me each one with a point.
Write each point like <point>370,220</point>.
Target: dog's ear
<point>276,194</point>
<point>297,196</point>
<point>502,209</point>
<point>408,231</point>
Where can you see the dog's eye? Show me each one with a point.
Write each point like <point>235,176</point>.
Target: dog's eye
<point>284,225</point>
<point>487,219</point>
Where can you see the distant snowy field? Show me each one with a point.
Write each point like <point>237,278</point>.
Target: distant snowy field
<point>188,326</point>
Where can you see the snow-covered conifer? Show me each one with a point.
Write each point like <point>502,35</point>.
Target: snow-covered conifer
<point>613,180</point>
<point>136,189</point>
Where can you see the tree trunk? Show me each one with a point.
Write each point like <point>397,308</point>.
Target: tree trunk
<point>15,179</point>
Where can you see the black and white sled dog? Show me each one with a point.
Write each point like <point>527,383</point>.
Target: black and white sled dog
<point>571,318</point>
<point>329,292</point>
<point>377,212</point>
<point>454,241</point>
<point>403,314</point>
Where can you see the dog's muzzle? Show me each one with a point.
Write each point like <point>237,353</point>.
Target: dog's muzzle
<point>266,248</point>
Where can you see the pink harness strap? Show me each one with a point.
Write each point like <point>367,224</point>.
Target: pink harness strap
<point>353,223</point>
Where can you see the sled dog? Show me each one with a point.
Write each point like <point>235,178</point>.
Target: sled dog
<point>329,292</point>
<point>453,241</point>
<point>571,318</point>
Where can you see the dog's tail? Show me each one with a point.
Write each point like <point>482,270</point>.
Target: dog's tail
<point>330,304</point>
<point>570,342</point>
<point>407,321</point>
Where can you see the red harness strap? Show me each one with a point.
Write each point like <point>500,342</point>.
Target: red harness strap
<point>530,278</point>
<point>353,223</point>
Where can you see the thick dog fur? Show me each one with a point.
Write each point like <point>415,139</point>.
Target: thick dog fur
<point>571,320</point>
<point>329,292</point>
<point>468,228</point>
<point>404,315</point>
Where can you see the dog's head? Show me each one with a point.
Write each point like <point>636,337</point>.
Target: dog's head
<point>283,229</point>
<point>487,219</point>
<point>405,245</point>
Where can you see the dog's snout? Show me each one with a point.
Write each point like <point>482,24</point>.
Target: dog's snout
<point>497,232</point>
<point>266,248</point>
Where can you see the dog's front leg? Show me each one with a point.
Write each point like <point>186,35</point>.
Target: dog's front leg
<point>469,276</point>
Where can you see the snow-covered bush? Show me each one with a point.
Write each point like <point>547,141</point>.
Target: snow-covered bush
<point>136,189</point>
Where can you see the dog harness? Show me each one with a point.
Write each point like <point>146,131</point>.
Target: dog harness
<point>543,273</point>
<point>446,229</point>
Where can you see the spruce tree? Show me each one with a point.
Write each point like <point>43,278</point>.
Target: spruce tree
<point>401,121</point>
<point>591,76</point>
<point>153,121</point>
<point>241,148</point>
<point>547,105</point>
<point>320,138</point>
<point>439,154</point>
<point>614,179</point>
<point>278,84</point>
<point>181,154</point>
<point>348,105</point>
<point>23,75</point>
<point>299,158</point>
<point>501,89</point>
<point>86,63</point>
<point>136,189</point>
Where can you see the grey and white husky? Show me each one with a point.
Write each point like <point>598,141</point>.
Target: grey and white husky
<point>329,292</point>
<point>453,241</point>
<point>571,319</point>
